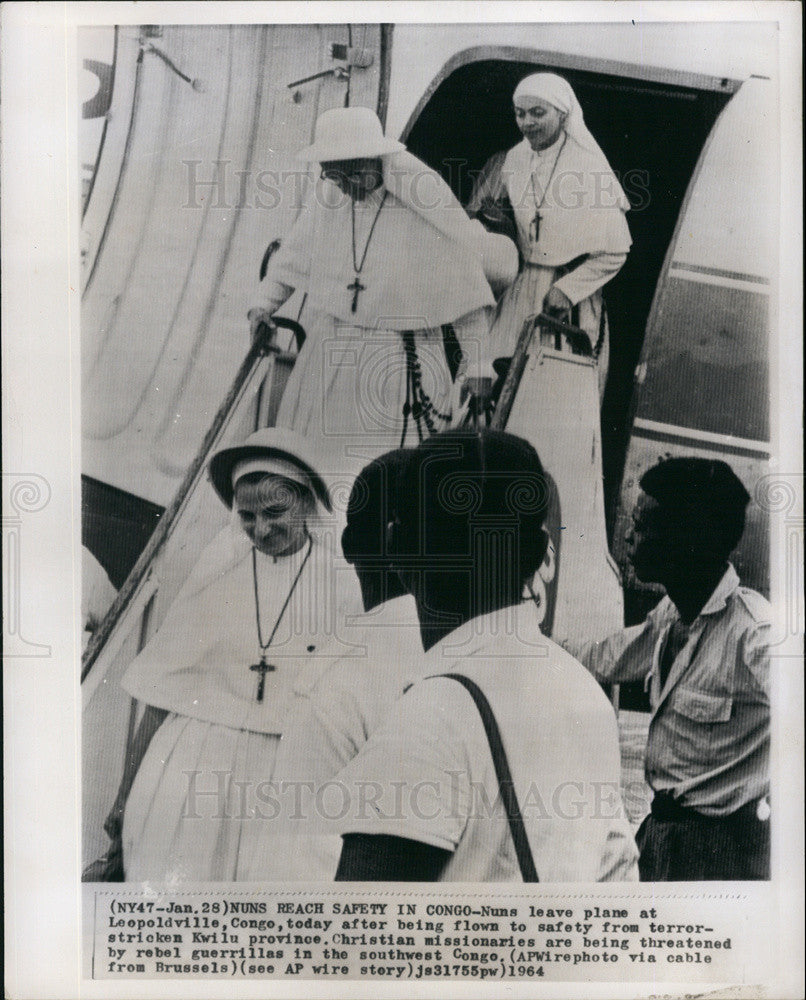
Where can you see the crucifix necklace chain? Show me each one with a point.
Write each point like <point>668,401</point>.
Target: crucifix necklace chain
<point>356,287</point>
<point>534,228</point>
<point>263,667</point>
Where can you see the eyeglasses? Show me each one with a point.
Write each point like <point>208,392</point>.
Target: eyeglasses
<point>346,169</point>
<point>329,174</point>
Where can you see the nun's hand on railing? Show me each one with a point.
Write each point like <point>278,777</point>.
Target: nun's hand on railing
<point>557,304</point>
<point>258,316</point>
<point>477,388</point>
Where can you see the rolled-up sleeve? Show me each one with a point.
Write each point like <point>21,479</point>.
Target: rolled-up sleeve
<point>622,657</point>
<point>756,656</point>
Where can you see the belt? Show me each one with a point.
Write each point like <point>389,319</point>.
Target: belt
<point>666,808</point>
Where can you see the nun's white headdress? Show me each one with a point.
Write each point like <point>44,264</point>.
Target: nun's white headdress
<point>583,212</point>
<point>559,94</point>
<point>275,451</point>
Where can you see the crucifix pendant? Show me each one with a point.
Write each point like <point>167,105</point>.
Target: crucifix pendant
<point>356,288</point>
<point>263,668</point>
<point>534,229</point>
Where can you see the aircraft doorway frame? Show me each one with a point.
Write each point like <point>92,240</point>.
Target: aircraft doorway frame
<point>572,63</point>
<point>706,97</point>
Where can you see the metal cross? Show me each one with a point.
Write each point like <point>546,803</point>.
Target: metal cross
<point>263,668</point>
<point>356,288</point>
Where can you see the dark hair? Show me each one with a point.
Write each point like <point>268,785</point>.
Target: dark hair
<point>703,498</point>
<point>468,491</point>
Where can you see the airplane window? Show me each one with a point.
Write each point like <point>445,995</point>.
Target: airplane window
<point>717,335</point>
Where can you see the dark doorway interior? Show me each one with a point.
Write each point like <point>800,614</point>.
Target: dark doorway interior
<point>115,526</point>
<point>652,135</point>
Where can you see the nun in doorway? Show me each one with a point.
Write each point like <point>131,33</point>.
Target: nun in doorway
<point>569,213</point>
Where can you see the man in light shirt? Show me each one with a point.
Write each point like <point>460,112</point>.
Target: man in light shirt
<point>704,654</point>
<point>424,790</point>
<point>340,702</point>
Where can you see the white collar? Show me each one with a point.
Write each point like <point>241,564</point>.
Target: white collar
<point>515,628</point>
<point>666,612</point>
<point>726,586</point>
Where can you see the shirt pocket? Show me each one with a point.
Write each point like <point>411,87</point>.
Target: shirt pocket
<point>701,706</point>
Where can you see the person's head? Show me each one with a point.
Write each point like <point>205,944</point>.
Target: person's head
<point>272,485</point>
<point>370,509</point>
<point>542,103</point>
<point>350,145</point>
<point>355,177</point>
<point>688,519</point>
<point>469,529</point>
<point>273,511</point>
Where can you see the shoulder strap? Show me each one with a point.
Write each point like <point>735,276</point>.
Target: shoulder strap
<point>502,774</point>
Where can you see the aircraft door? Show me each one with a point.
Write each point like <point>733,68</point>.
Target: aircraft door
<point>702,384</point>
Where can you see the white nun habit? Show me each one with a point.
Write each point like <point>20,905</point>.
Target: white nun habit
<point>583,237</point>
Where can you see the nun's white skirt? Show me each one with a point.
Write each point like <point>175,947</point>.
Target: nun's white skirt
<point>197,802</point>
<point>348,387</point>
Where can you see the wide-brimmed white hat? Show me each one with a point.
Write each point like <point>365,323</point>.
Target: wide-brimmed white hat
<point>289,453</point>
<point>348,134</point>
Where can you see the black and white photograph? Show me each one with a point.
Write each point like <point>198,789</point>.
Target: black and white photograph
<point>430,407</point>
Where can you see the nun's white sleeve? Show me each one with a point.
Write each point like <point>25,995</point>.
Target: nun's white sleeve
<point>274,295</point>
<point>290,266</point>
<point>594,272</point>
<point>473,334</point>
